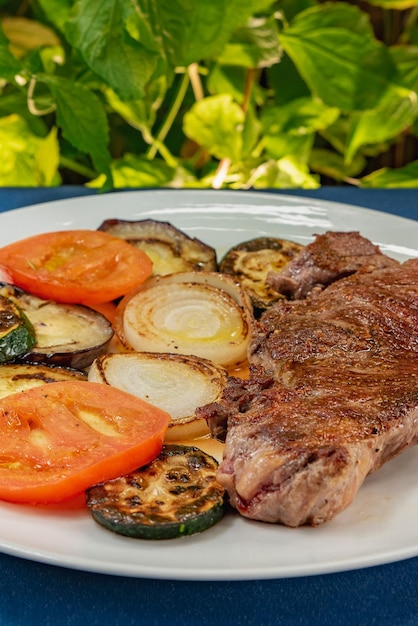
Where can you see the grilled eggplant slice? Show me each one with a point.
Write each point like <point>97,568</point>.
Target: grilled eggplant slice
<point>169,249</point>
<point>175,495</point>
<point>69,335</point>
<point>251,261</point>
<point>16,377</point>
<point>17,334</point>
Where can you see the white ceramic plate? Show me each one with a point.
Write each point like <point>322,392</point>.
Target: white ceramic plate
<point>379,527</point>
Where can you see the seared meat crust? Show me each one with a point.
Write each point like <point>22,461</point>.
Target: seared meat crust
<point>329,257</point>
<point>333,395</point>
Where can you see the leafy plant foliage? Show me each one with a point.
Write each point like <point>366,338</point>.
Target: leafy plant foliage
<point>191,93</point>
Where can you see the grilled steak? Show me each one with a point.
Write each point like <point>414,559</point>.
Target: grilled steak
<point>333,394</point>
<point>329,257</point>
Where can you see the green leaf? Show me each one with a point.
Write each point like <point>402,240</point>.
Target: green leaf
<point>289,129</point>
<point>82,119</point>
<point>400,5</point>
<point>135,171</point>
<point>382,124</point>
<point>396,112</point>
<point>128,43</point>
<point>299,117</point>
<point>25,159</point>
<point>16,102</point>
<point>10,66</point>
<point>228,80</point>
<point>216,123</point>
<point>254,45</point>
<point>194,30</point>
<point>406,60</point>
<point>285,81</point>
<point>57,11</point>
<point>47,158</point>
<point>403,177</point>
<point>26,34</point>
<point>295,174</point>
<point>140,114</point>
<point>251,131</point>
<point>97,28</point>
<point>291,8</point>
<point>331,164</point>
<point>260,6</point>
<point>335,51</point>
<point>17,147</point>
<point>232,80</point>
<point>282,144</point>
<point>286,173</point>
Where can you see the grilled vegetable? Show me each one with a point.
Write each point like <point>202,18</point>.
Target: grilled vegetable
<point>58,440</point>
<point>205,314</point>
<point>16,377</point>
<point>66,334</point>
<point>175,495</point>
<point>169,249</point>
<point>251,261</point>
<point>176,383</point>
<point>17,334</point>
<point>77,266</point>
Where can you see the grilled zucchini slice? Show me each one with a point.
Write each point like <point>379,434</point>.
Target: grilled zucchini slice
<point>17,335</point>
<point>250,262</point>
<point>169,249</point>
<point>175,495</point>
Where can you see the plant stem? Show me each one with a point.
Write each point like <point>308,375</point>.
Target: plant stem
<point>221,173</point>
<point>223,166</point>
<point>78,168</point>
<point>352,181</point>
<point>24,7</point>
<point>164,151</point>
<point>32,108</point>
<point>196,83</point>
<point>170,118</point>
<point>410,22</point>
<point>249,81</point>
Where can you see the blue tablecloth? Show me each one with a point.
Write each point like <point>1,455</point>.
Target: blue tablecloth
<point>39,594</point>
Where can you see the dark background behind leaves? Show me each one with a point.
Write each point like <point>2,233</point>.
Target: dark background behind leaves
<point>224,94</point>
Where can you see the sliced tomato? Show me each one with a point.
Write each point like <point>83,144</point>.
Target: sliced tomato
<point>59,439</point>
<point>75,266</point>
<point>108,309</point>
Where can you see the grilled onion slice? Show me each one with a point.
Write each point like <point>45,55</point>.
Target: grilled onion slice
<point>175,383</point>
<point>169,249</point>
<point>250,261</point>
<point>205,314</point>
